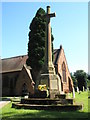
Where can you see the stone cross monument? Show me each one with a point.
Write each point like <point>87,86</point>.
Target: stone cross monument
<point>48,75</point>
<point>48,42</point>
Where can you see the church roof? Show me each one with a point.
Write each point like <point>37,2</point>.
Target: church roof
<point>56,54</point>
<point>16,63</point>
<point>13,64</point>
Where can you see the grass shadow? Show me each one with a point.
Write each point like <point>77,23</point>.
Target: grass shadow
<point>43,114</point>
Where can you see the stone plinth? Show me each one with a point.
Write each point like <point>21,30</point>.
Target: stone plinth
<point>53,83</point>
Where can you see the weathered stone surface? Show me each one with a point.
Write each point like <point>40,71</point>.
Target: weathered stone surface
<point>58,107</point>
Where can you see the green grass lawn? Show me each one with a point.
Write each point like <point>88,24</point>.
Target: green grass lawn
<point>15,114</point>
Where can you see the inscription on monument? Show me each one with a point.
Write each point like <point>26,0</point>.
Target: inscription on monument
<point>54,84</point>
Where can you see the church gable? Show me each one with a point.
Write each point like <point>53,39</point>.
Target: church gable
<point>63,71</point>
<point>24,82</point>
<point>61,61</point>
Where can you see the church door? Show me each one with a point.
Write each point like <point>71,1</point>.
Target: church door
<point>24,89</point>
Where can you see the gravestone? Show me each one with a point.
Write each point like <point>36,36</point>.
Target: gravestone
<point>48,75</point>
<point>77,89</point>
<point>73,93</point>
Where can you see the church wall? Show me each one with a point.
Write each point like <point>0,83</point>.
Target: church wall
<point>12,81</point>
<point>62,59</point>
<point>23,79</point>
<point>8,83</point>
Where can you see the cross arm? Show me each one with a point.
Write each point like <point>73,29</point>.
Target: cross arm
<point>52,15</point>
<point>49,15</point>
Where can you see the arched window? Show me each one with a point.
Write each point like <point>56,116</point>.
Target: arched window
<point>61,81</point>
<point>64,72</point>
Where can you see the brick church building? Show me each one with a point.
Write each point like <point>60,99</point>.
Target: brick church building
<point>17,77</point>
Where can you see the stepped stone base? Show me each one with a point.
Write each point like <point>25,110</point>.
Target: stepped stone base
<point>47,101</point>
<point>48,107</point>
<point>59,103</point>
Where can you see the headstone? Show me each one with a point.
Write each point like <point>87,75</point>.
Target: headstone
<point>77,89</point>
<point>73,93</point>
<point>83,89</point>
<point>48,75</point>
